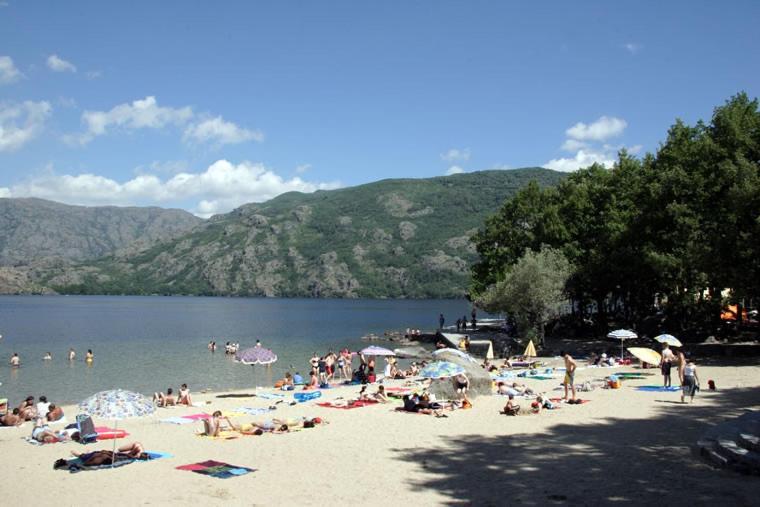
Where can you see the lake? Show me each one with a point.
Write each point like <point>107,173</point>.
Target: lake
<point>147,344</point>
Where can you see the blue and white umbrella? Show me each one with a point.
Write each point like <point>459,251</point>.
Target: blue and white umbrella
<point>456,352</point>
<point>669,339</point>
<point>622,335</point>
<point>441,369</point>
<point>117,404</point>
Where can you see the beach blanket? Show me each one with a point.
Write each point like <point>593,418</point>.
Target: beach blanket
<point>658,389</point>
<point>306,396</point>
<point>223,435</point>
<point>562,400</point>
<point>75,465</point>
<point>240,395</point>
<point>177,420</point>
<point>350,405</point>
<point>252,410</point>
<point>197,417</point>
<point>270,396</point>
<point>216,469</point>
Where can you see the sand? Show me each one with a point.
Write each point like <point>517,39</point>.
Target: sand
<point>624,446</point>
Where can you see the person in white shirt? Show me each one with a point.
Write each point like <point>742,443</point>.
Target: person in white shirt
<point>42,406</point>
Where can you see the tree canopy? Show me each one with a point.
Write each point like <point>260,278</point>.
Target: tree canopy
<point>677,226</point>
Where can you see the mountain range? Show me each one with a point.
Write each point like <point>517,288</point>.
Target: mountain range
<point>396,238</point>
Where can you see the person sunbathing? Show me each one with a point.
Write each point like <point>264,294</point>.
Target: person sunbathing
<point>313,382</point>
<point>184,396</point>
<point>165,400</point>
<point>128,452</point>
<point>12,419</point>
<point>43,433</point>
<point>416,404</point>
<point>380,395</point>
<point>55,413</point>
<point>522,389</point>
<point>511,408</point>
<point>216,424</point>
<point>27,410</point>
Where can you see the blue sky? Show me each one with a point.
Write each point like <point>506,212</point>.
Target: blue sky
<point>206,105</point>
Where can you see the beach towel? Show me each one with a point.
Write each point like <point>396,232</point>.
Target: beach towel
<point>355,404</point>
<point>197,417</point>
<point>562,400</point>
<point>270,396</point>
<point>75,465</point>
<point>216,469</point>
<point>240,395</point>
<point>658,389</point>
<point>223,435</point>
<point>252,410</point>
<point>177,420</point>
<point>306,396</point>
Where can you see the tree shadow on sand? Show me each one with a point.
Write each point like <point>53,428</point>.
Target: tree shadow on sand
<point>608,460</point>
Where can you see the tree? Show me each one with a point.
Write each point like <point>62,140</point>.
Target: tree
<point>531,291</point>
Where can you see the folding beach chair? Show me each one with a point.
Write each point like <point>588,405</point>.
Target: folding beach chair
<point>86,429</point>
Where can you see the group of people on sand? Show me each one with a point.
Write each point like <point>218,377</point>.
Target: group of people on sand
<point>687,371</point>
<point>15,360</point>
<point>218,423</point>
<point>170,399</point>
<point>28,410</point>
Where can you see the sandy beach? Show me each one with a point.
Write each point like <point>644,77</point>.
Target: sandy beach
<point>623,446</point>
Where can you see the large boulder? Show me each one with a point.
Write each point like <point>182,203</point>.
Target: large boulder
<point>480,379</point>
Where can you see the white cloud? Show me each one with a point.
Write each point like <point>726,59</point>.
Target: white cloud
<point>603,128</point>
<point>5,192</point>
<point>20,123</point>
<point>303,168</point>
<point>8,71</point>
<point>581,159</point>
<point>454,155</point>
<point>144,113</point>
<point>58,64</point>
<point>572,145</point>
<point>220,188</point>
<point>632,47</point>
<point>93,74</point>
<point>218,131</point>
<point>455,169</point>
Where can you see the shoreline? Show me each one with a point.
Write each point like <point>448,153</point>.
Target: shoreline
<point>473,456</point>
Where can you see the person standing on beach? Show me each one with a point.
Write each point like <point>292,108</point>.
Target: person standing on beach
<point>570,367</point>
<point>681,366</point>
<point>441,321</point>
<point>667,363</point>
<point>690,381</point>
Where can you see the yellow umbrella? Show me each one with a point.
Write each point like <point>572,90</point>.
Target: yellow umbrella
<point>646,355</point>
<point>530,350</point>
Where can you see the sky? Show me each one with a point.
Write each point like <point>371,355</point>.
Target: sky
<point>209,105</point>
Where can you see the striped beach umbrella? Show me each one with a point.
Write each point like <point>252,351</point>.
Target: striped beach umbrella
<point>441,369</point>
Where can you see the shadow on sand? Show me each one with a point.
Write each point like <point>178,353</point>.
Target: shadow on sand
<point>608,460</point>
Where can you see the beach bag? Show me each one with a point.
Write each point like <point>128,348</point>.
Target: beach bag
<point>711,385</point>
<point>86,428</point>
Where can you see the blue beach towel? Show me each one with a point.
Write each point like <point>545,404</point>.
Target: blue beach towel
<point>270,396</point>
<point>658,389</point>
<point>301,397</point>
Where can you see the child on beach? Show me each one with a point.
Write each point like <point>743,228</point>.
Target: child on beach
<point>511,408</point>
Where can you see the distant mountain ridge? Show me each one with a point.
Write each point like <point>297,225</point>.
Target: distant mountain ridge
<point>398,238</point>
<point>33,229</point>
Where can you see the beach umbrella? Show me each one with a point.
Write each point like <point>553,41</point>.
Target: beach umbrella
<point>374,350</point>
<point>256,355</point>
<point>530,350</point>
<point>622,335</point>
<point>669,339</point>
<point>645,355</point>
<point>441,369</point>
<point>117,404</point>
<point>456,352</point>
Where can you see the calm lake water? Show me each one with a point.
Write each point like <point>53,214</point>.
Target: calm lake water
<point>146,344</point>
